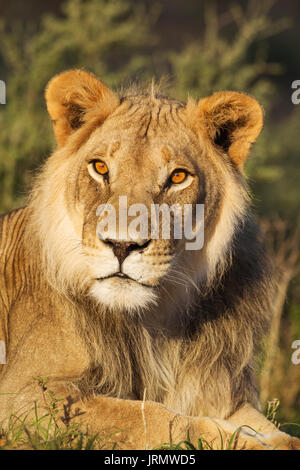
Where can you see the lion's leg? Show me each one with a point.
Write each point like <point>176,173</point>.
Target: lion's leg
<point>247,415</point>
<point>131,424</point>
<point>134,424</point>
<point>266,431</point>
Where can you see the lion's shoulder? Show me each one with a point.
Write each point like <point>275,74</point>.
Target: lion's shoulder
<point>12,227</point>
<point>11,230</point>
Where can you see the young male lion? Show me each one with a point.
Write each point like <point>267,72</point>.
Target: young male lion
<point>142,335</point>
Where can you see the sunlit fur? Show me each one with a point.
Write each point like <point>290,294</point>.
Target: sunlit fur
<point>185,330</point>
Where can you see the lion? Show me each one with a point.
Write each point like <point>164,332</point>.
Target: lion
<point>141,334</point>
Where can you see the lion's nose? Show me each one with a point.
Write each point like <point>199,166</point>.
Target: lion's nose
<point>122,249</point>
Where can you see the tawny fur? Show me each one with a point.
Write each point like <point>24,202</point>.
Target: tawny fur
<point>187,341</point>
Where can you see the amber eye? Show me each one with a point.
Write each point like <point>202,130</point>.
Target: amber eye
<point>100,167</point>
<point>178,176</point>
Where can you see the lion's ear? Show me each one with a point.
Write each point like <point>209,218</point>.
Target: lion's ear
<point>74,98</point>
<point>232,121</point>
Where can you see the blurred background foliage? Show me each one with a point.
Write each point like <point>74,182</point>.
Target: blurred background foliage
<point>199,46</point>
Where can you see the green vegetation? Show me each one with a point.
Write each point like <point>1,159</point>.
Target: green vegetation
<point>123,41</point>
<point>45,427</point>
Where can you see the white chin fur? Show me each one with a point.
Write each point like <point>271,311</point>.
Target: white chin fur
<point>121,294</point>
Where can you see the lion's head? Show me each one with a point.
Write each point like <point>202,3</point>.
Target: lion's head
<point>153,150</point>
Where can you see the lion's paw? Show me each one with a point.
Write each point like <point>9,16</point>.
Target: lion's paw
<point>281,441</point>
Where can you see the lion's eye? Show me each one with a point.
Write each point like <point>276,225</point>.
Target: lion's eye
<point>178,176</point>
<point>100,167</point>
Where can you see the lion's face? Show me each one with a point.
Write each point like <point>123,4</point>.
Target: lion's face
<point>144,150</point>
<point>142,147</point>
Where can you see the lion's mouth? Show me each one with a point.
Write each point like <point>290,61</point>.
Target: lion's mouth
<point>125,278</point>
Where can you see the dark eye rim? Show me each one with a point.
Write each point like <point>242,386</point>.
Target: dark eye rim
<point>93,163</point>
<point>179,170</point>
